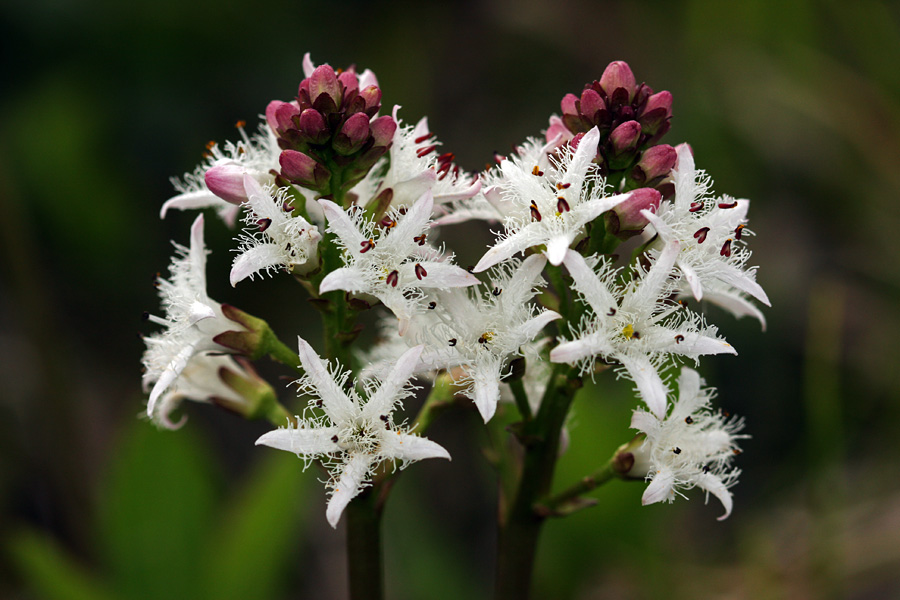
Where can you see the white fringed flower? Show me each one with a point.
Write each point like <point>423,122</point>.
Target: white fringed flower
<point>254,156</point>
<point>273,238</point>
<point>353,437</point>
<point>691,446</point>
<point>711,231</point>
<point>638,326</point>
<point>192,321</point>
<point>478,334</point>
<point>390,260</point>
<point>553,206</point>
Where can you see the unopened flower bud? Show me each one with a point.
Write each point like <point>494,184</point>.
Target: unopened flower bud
<point>657,112</point>
<point>382,130</point>
<point>656,161</point>
<point>303,170</point>
<point>325,92</point>
<point>312,125</point>
<point>257,398</point>
<point>571,116</point>
<point>592,106</point>
<point>625,219</point>
<point>372,97</point>
<point>349,81</point>
<point>227,182</point>
<point>279,115</point>
<point>625,137</point>
<point>618,75</point>
<point>352,135</point>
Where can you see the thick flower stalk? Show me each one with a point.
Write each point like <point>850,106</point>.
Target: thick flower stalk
<point>352,437</point>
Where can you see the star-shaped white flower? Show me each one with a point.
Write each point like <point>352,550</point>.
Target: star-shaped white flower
<point>273,237</point>
<point>553,206</point>
<point>192,320</point>
<point>691,446</point>
<point>480,333</point>
<point>711,232</point>
<point>353,437</point>
<point>229,163</point>
<point>637,327</point>
<point>394,264</point>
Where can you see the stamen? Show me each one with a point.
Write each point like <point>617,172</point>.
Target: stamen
<point>287,207</point>
<point>240,124</point>
<point>736,451</point>
<point>392,278</point>
<point>700,234</point>
<point>535,213</point>
<point>695,206</point>
<point>432,305</point>
<point>482,340</point>
<point>383,418</point>
<point>611,313</point>
<point>452,341</point>
<point>738,230</point>
<point>705,469</point>
<point>263,224</point>
<point>420,271</point>
<point>496,291</point>
<point>425,151</point>
<point>420,239</point>
<point>210,144</point>
<point>726,248</point>
<point>728,205</point>
<point>536,171</point>
<point>388,223</point>
<point>563,186</point>
<point>679,338</point>
<point>689,419</point>
<point>423,138</point>
<point>334,439</point>
<point>145,316</point>
<point>676,450</point>
<point>562,206</point>
<point>367,245</point>
<point>319,403</point>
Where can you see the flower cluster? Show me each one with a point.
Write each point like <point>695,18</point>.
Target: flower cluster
<point>350,203</point>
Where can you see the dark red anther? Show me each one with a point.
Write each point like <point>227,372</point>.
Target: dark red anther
<point>366,245</point>
<point>432,305</point>
<point>263,224</point>
<point>392,278</point>
<point>726,248</point>
<point>423,138</point>
<point>420,271</point>
<point>676,450</point>
<point>388,223</point>
<point>535,213</point>
<point>562,206</point>
<point>689,419</point>
<point>402,210</point>
<point>334,439</point>
<point>695,206</point>
<point>420,239</point>
<point>287,207</point>
<point>700,234</point>
<point>611,313</point>
<point>452,341</point>
<point>446,157</point>
<point>728,205</point>
<point>679,338</point>
<point>536,171</point>
<point>425,151</point>
<point>738,230</point>
<point>563,186</point>
<point>496,291</point>
<point>240,124</point>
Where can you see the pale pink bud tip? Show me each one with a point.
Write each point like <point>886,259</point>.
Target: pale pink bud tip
<point>656,162</point>
<point>324,89</point>
<point>627,217</point>
<point>352,135</point>
<point>618,75</point>
<point>227,182</point>
<point>383,129</point>
<point>312,125</point>
<point>625,137</point>
<point>279,115</point>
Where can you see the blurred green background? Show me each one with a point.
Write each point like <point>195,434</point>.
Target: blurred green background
<point>795,105</point>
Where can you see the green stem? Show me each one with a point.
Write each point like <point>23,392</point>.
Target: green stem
<point>440,398</point>
<point>364,561</point>
<point>518,390</point>
<point>567,500</point>
<point>279,352</point>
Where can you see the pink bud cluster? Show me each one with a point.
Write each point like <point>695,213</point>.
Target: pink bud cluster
<point>329,134</point>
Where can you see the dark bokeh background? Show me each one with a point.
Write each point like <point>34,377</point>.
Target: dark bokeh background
<point>795,105</point>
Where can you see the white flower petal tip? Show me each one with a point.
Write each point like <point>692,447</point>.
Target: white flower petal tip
<point>660,488</point>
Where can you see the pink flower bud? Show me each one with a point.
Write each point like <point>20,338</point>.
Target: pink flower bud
<point>227,182</point>
<point>350,82</point>
<point>372,96</point>
<point>591,105</point>
<point>656,114</point>
<point>625,137</point>
<point>657,161</point>
<point>303,170</point>
<point>279,115</point>
<point>662,100</point>
<point>569,105</point>
<point>626,219</point>
<point>352,135</point>
<point>312,125</point>
<point>325,92</point>
<point>618,75</point>
<point>382,130</point>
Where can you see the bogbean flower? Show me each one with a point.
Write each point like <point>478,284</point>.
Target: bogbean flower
<point>638,326</point>
<point>219,183</point>
<point>552,207</point>
<point>390,260</point>
<point>274,238</point>
<point>690,446</point>
<point>353,437</point>
<point>711,233</point>
<point>192,321</point>
<point>479,334</point>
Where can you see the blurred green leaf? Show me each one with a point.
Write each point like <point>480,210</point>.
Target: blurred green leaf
<point>51,574</point>
<point>156,512</point>
<point>256,538</point>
